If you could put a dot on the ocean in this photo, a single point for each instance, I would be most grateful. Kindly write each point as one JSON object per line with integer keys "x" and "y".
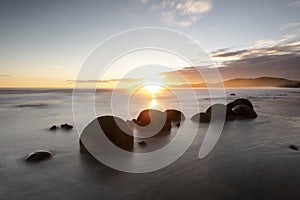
{"x": 251, "y": 159}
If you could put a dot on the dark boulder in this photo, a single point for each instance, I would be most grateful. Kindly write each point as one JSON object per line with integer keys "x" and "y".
{"x": 142, "y": 143}
{"x": 218, "y": 108}
{"x": 238, "y": 109}
{"x": 154, "y": 119}
{"x": 232, "y": 94}
{"x": 239, "y": 102}
{"x": 147, "y": 116}
{"x": 38, "y": 155}
{"x": 293, "y": 147}
{"x": 53, "y": 128}
{"x": 82, "y": 148}
{"x": 216, "y": 111}
{"x": 201, "y": 117}
{"x": 174, "y": 115}
{"x": 114, "y": 128}
{"x": 204, "y": 117}
{"x": 219, "y": 111}
{"x": 66, "y": 126}
{"x": 167, "y": 127}
{"x": 244, "y": 112}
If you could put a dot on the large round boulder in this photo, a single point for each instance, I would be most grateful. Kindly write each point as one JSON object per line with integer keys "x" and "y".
{"x": 244, "y": 112}
{"x": 154, "y": 120}
{"x": 201, "y": 117}
{"x": 219, "y": 108}
{"x": 219, "y": 111}
{"x": 150, "y": 115}
{"x": 239, "y": 102}
{"x": 174, "y": 115}
{"x": 114, "y": 128}
{"x": 38, "y": 155}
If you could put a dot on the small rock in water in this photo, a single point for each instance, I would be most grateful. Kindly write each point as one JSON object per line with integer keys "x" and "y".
{"x": 232, "y": 94}
{"x": 66, "y": 126}
{"x": 38, "y": 155}
{"x": 293, "y": 147}
{"x": 52, "y": 128}
{"x": 142, "y": 143}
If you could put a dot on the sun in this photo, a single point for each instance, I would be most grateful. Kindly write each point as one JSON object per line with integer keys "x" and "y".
{"x": 153, "y": 89}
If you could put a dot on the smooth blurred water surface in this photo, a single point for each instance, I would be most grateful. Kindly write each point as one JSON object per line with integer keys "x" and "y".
{"x": 250, "y": 161}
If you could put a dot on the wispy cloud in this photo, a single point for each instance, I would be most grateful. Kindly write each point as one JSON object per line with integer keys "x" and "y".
{"x": 182, "y": 13}
{"x": 124, "y": 80}
{"x": 280, "y": 49}
{"x": 281, "y": 41}
{"x": 6, "y": 76}
{"x": 281, "y": 66}
{"x": 281, "y": 60}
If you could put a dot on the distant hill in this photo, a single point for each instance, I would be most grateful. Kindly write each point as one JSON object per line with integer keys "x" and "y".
{"x": 261, "y": 82}
{"x": 250, "y": 82}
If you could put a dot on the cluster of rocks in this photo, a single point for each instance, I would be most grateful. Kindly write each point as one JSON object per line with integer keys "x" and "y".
{"x": 238, "y": 109}
{"x": 40, "y": 155}
{"x": 155, "y": 118}
{"x": 62, "y": 126}
{"x": 120, "y": 132}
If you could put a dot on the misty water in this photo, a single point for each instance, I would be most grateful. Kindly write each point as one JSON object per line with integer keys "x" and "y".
{"x": 251, "y": 160}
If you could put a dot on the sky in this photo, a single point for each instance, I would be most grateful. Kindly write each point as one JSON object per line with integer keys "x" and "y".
{"x": 44, "y": 43}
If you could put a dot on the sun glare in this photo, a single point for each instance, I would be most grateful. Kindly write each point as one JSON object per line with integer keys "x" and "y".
{"x": 153, "y": 103}
{"x": 153, "y": 89}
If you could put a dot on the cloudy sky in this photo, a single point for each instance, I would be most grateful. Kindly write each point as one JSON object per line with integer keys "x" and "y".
{"x": 43, "y": 43}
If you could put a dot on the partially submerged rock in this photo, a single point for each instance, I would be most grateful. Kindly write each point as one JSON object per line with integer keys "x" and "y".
{"x": 244, "y": 112}
{"x": 154, "y": 120}
{"x": 114, "y": 128}
{"x": 53, "y": 128}
{"x": 38, "y": 155}
{"x": 240, "y": 101}
{"x": 293, "y": 147}
{"x": 142, "y": 143}
{"x": 174, "y": 115}
{"x": 201, "y": 117}
{"x": 66, "y": 126}
{"x": 150, "y": 115}
{"x": 82, "y": 148}
{"x": 238, "y": 109}
{"x": 218, "y": 111}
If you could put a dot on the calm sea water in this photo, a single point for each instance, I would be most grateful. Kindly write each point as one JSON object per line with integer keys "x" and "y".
{"x": 250, "y": 161}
